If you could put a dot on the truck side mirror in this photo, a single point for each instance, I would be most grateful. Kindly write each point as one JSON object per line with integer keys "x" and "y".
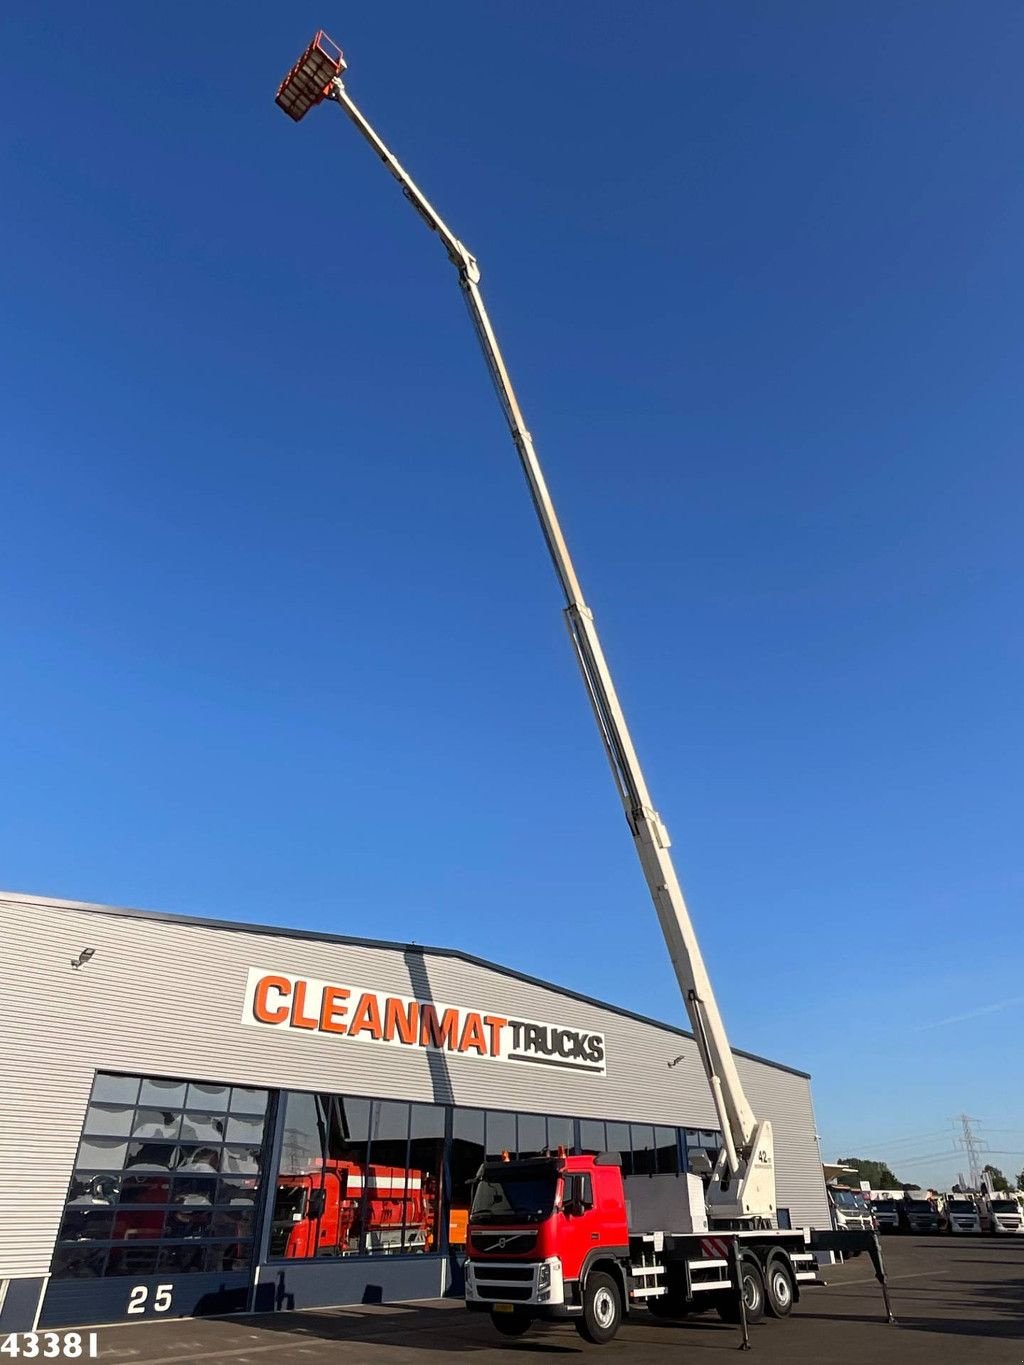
{"x": 317, "y": 1203}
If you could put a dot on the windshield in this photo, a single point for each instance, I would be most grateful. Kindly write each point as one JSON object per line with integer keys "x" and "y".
{"x": 513, "y": 1197}
{"x": 920, "y": 1206}
{"x": 847, "y": 1199}
{"x": 961, "y": 1205}
{"x": 1003, "y": 1206}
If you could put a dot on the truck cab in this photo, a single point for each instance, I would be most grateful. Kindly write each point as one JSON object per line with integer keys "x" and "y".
{"x": 920, "y": 1215}
{"x": 850, "y": 1210}
{"x": 963, "y": 1214}
{"x": 1003, "y": 1214}
{"x": 537, "y": 1228}
{"x": 886, "y": 1212}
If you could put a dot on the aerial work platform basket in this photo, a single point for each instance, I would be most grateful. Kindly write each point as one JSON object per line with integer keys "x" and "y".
{"x": 309, "y": 80}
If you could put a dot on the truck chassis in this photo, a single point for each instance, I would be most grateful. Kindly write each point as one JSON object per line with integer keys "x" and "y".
{"x": 670, "y": 1274}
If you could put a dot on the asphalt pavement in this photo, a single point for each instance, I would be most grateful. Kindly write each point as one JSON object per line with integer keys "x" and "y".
{"x": 958, "y": 1300}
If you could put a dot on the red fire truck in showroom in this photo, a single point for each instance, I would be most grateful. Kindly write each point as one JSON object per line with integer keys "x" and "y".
{"x": 563, "y": 1236}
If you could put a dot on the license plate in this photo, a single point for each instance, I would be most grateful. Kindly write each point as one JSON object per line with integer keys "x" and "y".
{"x": 504, "y": 1308}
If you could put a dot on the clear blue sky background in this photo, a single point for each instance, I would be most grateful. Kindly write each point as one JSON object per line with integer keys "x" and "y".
{"x": 280, "y": 639}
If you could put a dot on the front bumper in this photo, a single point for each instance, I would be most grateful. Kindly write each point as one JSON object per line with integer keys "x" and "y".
{"x": 532, "y": 1285}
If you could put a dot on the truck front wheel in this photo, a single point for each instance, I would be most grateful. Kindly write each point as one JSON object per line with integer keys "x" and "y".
{"x": 602, "y": 1309}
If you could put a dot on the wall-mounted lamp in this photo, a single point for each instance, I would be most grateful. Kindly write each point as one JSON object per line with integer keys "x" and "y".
{"x": 676, "y": 1060}
{"x": 82, "y": 958}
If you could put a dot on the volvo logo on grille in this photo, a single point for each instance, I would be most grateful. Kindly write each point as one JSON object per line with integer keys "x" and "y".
{"x": 488, "y": 1243}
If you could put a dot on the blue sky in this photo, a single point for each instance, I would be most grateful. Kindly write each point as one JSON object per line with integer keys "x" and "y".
{"x": 281, "y": 640}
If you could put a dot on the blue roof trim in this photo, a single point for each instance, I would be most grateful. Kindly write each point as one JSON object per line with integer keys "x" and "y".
{"x": 351, "y": 940}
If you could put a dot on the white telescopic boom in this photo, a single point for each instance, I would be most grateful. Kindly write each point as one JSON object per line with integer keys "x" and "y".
{"x": 747, "y": 1143}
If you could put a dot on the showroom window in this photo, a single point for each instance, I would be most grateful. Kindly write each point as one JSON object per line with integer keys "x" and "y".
{"x": 524, "y": 1135}
{"x": 478, "y": 1134}
{"x": 646, "y": 1149}
{"x": 357, "y": 1177}
{"x": 465, "y": 1158}
{"x": 167, "y": 1178}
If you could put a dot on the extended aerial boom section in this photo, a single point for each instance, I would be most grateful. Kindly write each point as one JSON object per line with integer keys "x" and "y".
{"x": 743, "y": 1181}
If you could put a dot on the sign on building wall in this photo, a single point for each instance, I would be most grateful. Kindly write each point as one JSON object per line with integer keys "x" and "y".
{"x": 354, "y": 1014}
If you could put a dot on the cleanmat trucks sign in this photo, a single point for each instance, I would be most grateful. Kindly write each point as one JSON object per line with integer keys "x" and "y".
{"x": 355, "y": 1014}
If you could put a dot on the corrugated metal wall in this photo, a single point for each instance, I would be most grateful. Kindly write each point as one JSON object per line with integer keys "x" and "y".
{"x": 165, "y": 997}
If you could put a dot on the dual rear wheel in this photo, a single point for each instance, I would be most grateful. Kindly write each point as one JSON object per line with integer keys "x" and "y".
{"x": 779, "y": 1294}
{"x": 765, "y": 1290}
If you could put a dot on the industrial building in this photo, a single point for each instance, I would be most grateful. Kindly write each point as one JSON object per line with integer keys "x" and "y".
{"x": 205, "y": 1117}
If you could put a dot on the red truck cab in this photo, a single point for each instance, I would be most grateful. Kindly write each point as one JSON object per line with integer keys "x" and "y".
{"x": 540, "y": 1229}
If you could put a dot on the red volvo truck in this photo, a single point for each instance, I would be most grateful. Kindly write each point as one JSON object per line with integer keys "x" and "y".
{"x": 567, "y": 1237}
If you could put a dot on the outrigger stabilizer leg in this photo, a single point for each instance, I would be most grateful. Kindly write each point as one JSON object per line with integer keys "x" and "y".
{"x": 737, "y": 1270}
{"x": 875, "y": 1252}
{"x": 848, "y": 1241}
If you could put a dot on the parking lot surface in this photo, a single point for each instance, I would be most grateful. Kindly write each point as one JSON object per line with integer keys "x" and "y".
{"x": 957, "y": 1300}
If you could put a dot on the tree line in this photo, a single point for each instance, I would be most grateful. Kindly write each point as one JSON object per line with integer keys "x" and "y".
{"x": 880, "y": 1176}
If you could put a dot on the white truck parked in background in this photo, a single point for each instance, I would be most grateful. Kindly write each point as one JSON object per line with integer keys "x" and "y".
{"x": 850, "y": 1209}
{"x": 1002, "y": 1214}
{"x": 962, "y": 1212}
{"x": 885, "y": 1205}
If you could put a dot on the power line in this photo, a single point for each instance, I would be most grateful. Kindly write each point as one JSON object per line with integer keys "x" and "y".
{"x": 934, "y": 1156}
{"x": 914, "y": 1137}
{"x": 929, "y": 1156}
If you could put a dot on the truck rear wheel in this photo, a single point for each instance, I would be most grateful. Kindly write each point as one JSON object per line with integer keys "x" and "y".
{"x": 602, "y": 1309}
{"x": 753, "y": 1295}
{"x": 778, "y": 1288}
{"x": 511, "y": 1324}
